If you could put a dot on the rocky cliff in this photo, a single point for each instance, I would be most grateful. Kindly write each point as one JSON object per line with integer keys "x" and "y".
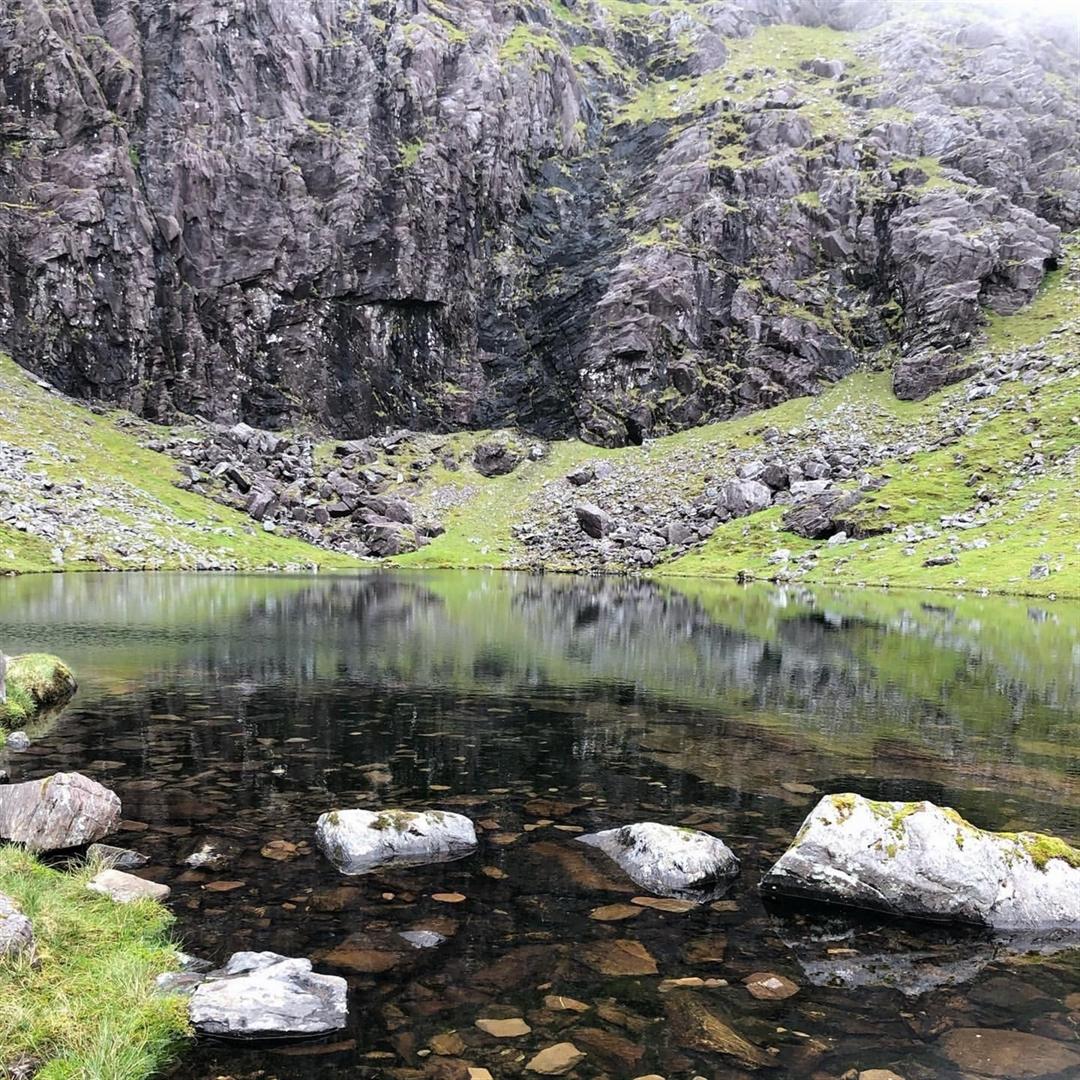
{"x": 593, "y": 216}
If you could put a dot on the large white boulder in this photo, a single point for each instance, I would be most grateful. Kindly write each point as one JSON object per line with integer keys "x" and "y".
{"x": 264, "y": 995}
{"x": 926, "y": 861}
{"x": 62, "y": 811}
{"x": 668, "y": 860}
{"x": 357, "y": 841}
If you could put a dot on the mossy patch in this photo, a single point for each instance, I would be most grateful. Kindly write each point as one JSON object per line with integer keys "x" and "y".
{"x": 88, "y": 1006}
{"x": 36, "y": 683}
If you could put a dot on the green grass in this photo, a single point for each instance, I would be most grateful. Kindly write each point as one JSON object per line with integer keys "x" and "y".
{"x": 1039, "y": 519}
{"x": 71, "y": 443}
{"x": 87, "y": 1009}
{"x": 1057, "y": 300}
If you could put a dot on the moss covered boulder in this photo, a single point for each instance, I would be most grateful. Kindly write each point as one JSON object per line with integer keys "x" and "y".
{"x": 925, "y": 861}
{"x": 33, "y": 684}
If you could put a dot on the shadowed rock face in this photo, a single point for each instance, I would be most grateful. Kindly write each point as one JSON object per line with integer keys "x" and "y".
{"x": 588, "y": 220}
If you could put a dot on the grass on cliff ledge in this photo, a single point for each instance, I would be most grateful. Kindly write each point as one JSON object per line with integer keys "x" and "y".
{"x": 87, "y": 1009}
{"x": 69, "y": 442}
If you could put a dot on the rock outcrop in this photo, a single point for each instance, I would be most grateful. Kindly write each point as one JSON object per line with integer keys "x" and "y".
{"x": 599, "y": 219}
{"x": 357, "y": 841}
{"x": 924, "y": 861}
{"x": 668, "y": 860}
{"x": 264, "y": 995}
{"x": 62, "y": 811}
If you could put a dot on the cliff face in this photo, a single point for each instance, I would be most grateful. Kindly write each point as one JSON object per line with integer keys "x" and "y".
{"x": 612, "y": 218}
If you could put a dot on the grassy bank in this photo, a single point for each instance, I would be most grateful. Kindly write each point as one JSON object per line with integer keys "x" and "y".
{"x": 167, "y": 528}
{"x": 87, "y": 1009}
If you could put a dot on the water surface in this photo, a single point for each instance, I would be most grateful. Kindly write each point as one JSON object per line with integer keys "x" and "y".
{"x": 235, "y": 709}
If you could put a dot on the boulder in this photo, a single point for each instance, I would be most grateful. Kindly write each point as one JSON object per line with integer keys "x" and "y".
{"x": 821, "y": 515}
{"x": 924, "y": 861}
{"x": 742, "y": 497}
{"x": 126, "y": 888}
{"x": 62, "y": 811}
{"x": 583, "y": 474}
{"x": 264, "y": 995}
{"x": 594, "y": 522}
{"x": 31, "y": 684}
{"x": 496, "y": 458}
{"x": 16, "y": 930}
{"x": 358, "y": 841}
{"x": 668, "y": 860}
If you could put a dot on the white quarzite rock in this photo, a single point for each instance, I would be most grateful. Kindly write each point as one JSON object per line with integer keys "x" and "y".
{"x": 925, "y": 861}
{"x": 357, "y": 841}
{"x": 264, "y": 995}
{"x": 666, "y": 859}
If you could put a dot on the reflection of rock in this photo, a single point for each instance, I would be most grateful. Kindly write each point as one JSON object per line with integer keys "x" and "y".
{"x": 260, "y": 995}
{"x": 925, "y": 861}
{"x": 357, "y": 841}
{"x": 62, "y": 811}
{"x": 853, "y": 951}
{"x": 668, "y": 860}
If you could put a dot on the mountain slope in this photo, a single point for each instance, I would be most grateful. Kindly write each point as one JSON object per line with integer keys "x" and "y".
{"x": 78, "y": 492}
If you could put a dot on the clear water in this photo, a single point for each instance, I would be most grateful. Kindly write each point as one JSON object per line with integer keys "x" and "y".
{"x": 236, "y": 709}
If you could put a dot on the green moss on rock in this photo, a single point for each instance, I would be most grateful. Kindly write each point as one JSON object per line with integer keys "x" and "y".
{"x": 36, "y": 683}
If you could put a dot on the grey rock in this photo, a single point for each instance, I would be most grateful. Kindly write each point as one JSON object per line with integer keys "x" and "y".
{"x": 126, "y": 888}
{"x": 594, "y": 522}
{"x": 923, "y": 861}
{"x": 496, "y": 458}
{"x": 668, "y": 860}
{"x": 62, "y": 811}
{"x": 742, "y": 497}
{"x": 821, "y": 516}
{"x": 582, "y": 475}
{"x": 16, "y": 930}
{"x": 116, "y": 858}
{"x": 264, "y": 995}
{"x": 18, "y": 740}
{"x": 359, "y": 841}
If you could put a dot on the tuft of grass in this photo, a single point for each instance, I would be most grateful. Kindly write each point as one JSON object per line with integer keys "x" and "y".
{"x": 87, "y": 1009}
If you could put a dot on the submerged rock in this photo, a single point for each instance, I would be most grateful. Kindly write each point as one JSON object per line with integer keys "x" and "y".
{"x": 62, "y": 811}
{"x": 925, "y": 861}
{"x": 357, "y": 841}
{"x": 668, "y": 860}
{"x": 264, "y": 995}
{"x": 16, "y": 930}
{"x": 116, "y": 858}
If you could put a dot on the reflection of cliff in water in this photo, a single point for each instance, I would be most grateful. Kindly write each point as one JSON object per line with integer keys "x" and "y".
{"x": 835, "y": 664}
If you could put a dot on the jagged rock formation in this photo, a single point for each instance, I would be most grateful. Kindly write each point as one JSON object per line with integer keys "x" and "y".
{"x": 611, "y": 218}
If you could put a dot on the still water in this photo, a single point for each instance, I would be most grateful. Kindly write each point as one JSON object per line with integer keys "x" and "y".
{"x": 233, "y": 710}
